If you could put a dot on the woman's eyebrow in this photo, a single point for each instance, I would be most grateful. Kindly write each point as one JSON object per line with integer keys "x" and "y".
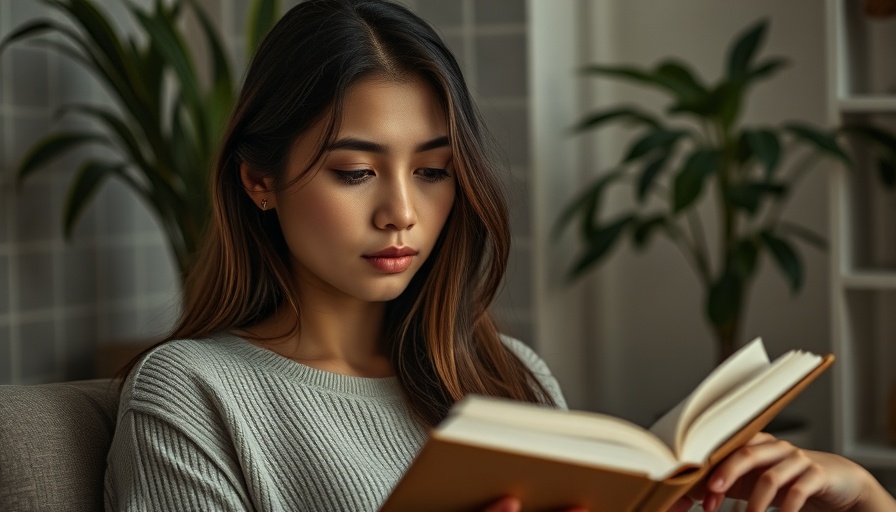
{"x": 354, "y": 144}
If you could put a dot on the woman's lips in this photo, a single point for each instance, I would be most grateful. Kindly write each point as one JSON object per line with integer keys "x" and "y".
{"x": 392, "y": 260}
{"x": 390, "y": 265}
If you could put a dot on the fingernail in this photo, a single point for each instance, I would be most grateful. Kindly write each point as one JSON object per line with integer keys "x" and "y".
{"x": 717, "y": 484}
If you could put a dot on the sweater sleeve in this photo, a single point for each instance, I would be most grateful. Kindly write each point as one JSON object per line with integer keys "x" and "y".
{"x": 172, "y": 449}
{"x": 154, "y": 466}
{"x": 538, "y": 367}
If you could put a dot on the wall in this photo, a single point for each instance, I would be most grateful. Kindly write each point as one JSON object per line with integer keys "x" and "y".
{"x": 57, "y": 297}
{"x": 489, "y": 38}
{"x": 650, "y": 305}
{"x": 114, "y": 280}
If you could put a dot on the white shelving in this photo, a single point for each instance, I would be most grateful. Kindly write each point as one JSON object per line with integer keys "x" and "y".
{"x": 867, "y": 103}
{"x": 863, "y": 240}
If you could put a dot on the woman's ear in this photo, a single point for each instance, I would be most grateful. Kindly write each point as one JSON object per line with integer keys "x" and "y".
{"x": 259, "y": 186}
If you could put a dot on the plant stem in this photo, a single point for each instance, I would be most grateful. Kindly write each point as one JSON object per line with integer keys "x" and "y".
{"x": 799, "y": 171}
{"x": 691, "y": 254}
{"x": 700, "y": 248}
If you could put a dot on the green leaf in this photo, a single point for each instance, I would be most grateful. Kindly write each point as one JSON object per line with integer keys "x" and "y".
{"x": 723, "y": 301}
{"x": 647, "y": 227}
{"x": 87, "y": 181}
{"x": 262, "y": 16}
{"x": 721, "y": 102}
{"x": 728, "y": 98}
{"x": 599, "y": 244}
{"x": 26, "y": 31}
{"x": 51, "y": 147}
{"x": 649, "y": 174}
{"x": 183, "y": 144}
{"x": 744, "y": 258}
{"x": 805, "y": 234}
{"x": 765, "y": 146}
{"x": 741, "y": 55}
{"x": 98, "y": 29}
{"x": 656, "y": 138}
{"x": 689, "y": 181}
{"x": 128, "y": 143}
{"x": 786, "y": 258}
{"x": 821, "y": 140}
{"x": 748, "y": 196}
{"x": 631, "y": 114}
{"x": 218, "y": 105}
{"x": 221, "y": 66}
{"x": 173, "y": 49}
{"x": 768, "y": 67}
{"x": 586, "y": 205}
{"x": 887, "y": 170}
{"x": 680, "y": 80}
{"x": 626, "y": 72}
{"x": 634, "y": 74}
{"x": 884, "y": 139}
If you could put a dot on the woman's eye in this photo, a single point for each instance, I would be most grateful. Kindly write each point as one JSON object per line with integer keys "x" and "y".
{"x": 354, "y": 176}
{"x": 430, "y": 174}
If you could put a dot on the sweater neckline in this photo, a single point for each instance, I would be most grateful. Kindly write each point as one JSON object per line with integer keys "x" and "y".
{"x": 350, "y": 384}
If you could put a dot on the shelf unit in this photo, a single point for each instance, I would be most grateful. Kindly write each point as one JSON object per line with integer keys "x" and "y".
{"x": 862, "y": 87}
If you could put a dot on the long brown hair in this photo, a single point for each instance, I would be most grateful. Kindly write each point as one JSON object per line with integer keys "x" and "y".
{"x": 442, "y": 341}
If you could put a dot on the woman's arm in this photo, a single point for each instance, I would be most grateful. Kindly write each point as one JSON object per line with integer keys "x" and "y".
{"x": 154, "y": 466}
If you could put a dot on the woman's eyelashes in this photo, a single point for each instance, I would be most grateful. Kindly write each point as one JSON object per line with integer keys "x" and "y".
{"x": 433, "y": 174}
{"x": 358, "y": 176}
{"x": 354, "y": 176}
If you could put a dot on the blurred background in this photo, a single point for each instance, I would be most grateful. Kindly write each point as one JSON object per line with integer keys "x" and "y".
{"x": 629, "y": 336}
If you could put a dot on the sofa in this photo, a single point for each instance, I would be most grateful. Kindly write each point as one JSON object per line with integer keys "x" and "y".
{"x": 53, "y": 444}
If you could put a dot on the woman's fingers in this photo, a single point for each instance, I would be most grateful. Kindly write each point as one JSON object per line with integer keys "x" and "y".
{"x": 511, "y": 504}
{"x": 506, "y": 504}
{"x": 761, "y": 437}
{"x": 777, "y": 477}
{"x": 682, "y": 505}
{"x": 747, "y": 459}
{"x": 809, "y": 484}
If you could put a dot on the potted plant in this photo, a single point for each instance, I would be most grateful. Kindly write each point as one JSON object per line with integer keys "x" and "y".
{"x": 163, "y": 127}
{"x": 696, "y": 152}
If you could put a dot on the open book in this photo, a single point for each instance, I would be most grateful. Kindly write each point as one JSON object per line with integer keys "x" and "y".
{"x": 549, "y": 458}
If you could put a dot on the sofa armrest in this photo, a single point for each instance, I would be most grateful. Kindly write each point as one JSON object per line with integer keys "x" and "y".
{"x": 53, "y": 444}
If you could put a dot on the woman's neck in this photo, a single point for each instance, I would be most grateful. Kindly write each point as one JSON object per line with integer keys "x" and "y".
{"x": 341, "y": 338}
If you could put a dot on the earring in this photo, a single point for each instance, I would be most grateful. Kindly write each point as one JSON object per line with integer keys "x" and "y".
{"x": 264, "y": 204}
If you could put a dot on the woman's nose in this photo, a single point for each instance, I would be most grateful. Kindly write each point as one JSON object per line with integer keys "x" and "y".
{"x": 395, "y": 208}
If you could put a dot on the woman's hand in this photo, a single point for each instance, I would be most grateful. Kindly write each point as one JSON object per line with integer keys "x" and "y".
{"x": 769, "y": 472}
{"x": 511, "y": 504}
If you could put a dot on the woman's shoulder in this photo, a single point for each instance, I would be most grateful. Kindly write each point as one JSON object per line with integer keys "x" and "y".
{"x": 538, "y": 367}
{"x": 525, "y": 354}
{"x": 181, "y": 369}
{"x": 189, "y": 356}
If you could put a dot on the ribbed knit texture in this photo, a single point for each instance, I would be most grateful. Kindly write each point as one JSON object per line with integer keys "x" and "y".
{"x": 220, "y": 424}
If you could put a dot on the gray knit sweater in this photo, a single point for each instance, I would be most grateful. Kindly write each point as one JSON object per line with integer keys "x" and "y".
{"x": 220, "y": 424}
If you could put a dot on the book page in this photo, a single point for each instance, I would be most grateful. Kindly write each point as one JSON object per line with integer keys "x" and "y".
{"x": 556, "y": 446}
{"x": 747, "y": 362}
{"x": 518, "y": 416}
{"x": 735, "y": 410}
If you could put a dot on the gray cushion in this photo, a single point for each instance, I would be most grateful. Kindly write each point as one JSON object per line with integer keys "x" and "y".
{"x": 53, "y": 444}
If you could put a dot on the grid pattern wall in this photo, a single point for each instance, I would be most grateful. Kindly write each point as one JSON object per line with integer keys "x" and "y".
{"x": 489, "y": 39}
{"x": 114, "y": 280}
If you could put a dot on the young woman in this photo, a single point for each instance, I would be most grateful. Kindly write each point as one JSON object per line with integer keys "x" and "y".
{"x": 340, "y": 305}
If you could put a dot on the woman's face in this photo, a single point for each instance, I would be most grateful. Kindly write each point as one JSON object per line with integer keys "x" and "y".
{"x": 367, "y": 216}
